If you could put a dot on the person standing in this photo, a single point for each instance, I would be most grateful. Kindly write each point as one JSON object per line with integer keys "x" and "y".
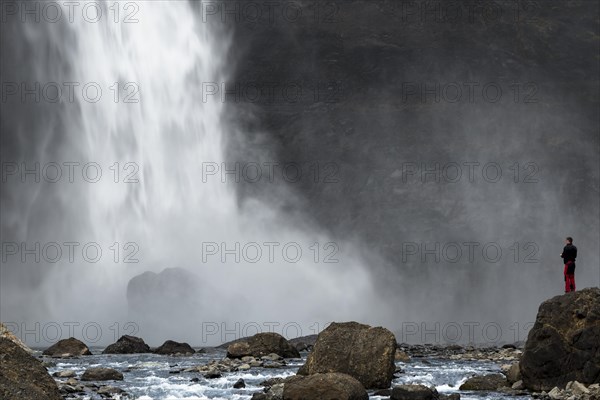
{"x": 568, "y": 255}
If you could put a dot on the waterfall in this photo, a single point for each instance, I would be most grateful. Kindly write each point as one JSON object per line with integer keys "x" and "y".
{"x": 150, "y": 133}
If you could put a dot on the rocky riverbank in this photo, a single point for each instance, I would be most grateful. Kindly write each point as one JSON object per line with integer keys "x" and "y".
{"x": 559, "y": 361}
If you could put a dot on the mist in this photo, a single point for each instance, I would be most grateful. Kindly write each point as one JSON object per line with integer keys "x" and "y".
{"x": 193, "y": 248}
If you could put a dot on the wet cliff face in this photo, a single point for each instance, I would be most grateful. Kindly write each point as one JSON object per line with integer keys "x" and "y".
{"x": 441, "y": 124}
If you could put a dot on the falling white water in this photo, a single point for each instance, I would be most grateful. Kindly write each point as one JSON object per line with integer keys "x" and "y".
{"x": 166, "y": 137}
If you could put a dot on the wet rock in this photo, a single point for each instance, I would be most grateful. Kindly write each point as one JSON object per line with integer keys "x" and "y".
{"x": 101, "y": 374}
{"x": 514, "y": 373}
{"x": 307, "y": 341}
{"x": 70, "y": 347}
{"x": 328, "y": 386}
{"x": 7, "y": 334}
{"x": 22, "y": 376}
{"x": 452, "y": 396}
{"x": 271, "y": 357}
{"x": 263, "y": 344}
{"x": 172, "y": 347}
{"x": 518, "y": 385}
{"x": 413, "y": 392}
{"x": 361, "y": 351}
{"x": 489, "y": 382}
{"x": 563, "y": 344}
{"x": 240, "y": 384}
{"x": 65, "y": 373}
{"x": 213, "y": 374}
{"x": 109, "y": 391}
{"x": 271, "y": 382}
{"x": 383, "y": 392}
{"x": 127, "y": 345}
{"x": 401, "y": 356}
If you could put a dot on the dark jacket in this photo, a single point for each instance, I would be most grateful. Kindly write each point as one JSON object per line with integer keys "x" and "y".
{"x": 569, "y": 254}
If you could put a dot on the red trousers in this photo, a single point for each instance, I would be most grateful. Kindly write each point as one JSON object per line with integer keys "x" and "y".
{"x": 569, "y": 281}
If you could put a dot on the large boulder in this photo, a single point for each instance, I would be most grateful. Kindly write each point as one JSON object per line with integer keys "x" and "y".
{"x": 262, "y": 344}
{"x": 101, "y": 374}
{"x": 22, "y": 377}
{"x": 172, "y": 347}
{"x": 329, "y": 386}
{"x": 361, "y": 351}
{"x": 490, "y": 382}
{"x": 413, "y": 392}
{"x": 127, "y": 345}
{"x": 564, "y": 343}
{"x": 70, "y": 347}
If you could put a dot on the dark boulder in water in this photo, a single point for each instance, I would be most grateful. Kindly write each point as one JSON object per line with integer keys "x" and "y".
{"x": 101, "y": 374}
{"x": 70, "y": 347}
{"x": 127, "y": 345}
{"x": 413, "y": 392}
{"x": 490, "y": 382}
{"x": 328, "y": 386}
{"x": 172, "y": 347}
{"x": 262, "y": 344}
{"x": 239, "y": 384}
{"x": 564, "y": 343}
{"x": 359, "y": 350}
{"x": 22, "y": 376}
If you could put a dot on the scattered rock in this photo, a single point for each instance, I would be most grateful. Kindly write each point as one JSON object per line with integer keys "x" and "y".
{"x": 518, "y": 385}
{"x": 555, "y": 394}
{"x": 111, "y": 390}
{"x": 22, "y": 376}
{"x": 578, "y": 389}
{"x": 361, "y": 351}
{"x": 489, "y": 382}
{"x": 127, "y": 345}
{"x": 271, "y": 382}
{"x": 563, "y": 344}
{"x": 240, "y": 384}
{"x": 573, "y": 391}
{"x": 172, "y": 347}
{"x": 65, "y": 373}
{"x": 101, "y": 374}
{"x": 452, "y": 396}
{"x": 7, "y": 334}
{"x": 212, "y": 374}
{"x": 413, "y": 392}
{"x": 263, "y": 344}
{"x": 401, "y": 356}
{"x": 70, "y": 347}
{"x": 328, "y": 386}
{"x": 514, "y": 373}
